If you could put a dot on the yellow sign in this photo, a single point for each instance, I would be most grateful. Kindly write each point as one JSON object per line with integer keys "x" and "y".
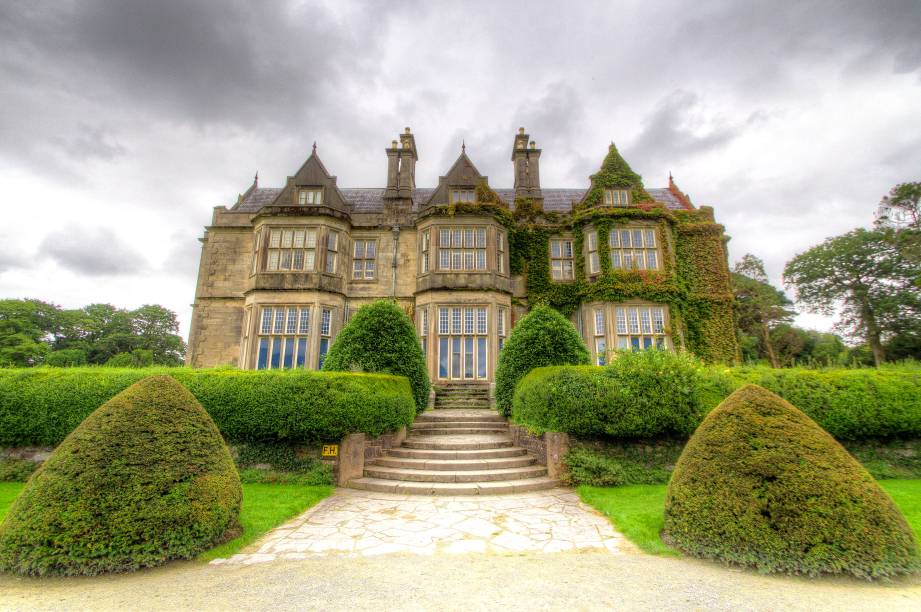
{"x": 330, "y": 450}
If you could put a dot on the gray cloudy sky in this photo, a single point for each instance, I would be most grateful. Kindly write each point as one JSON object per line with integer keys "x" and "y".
{"x": 123, "y": 123}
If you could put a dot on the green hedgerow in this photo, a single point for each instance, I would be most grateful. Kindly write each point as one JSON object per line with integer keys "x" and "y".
{"x": 761, "y": 484}
{"x": 381, "y": 338}
{"x": 144, "y": 479}
{"x": 543, "y": 337}
{"x": 638, "y": 395}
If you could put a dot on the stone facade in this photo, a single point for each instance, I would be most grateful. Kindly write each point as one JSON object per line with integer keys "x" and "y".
{"x": 283, "y": 269}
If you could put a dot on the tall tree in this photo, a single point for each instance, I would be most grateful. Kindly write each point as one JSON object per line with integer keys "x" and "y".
{"x": 865, "y": 277}
{"x": 26, "y": 326}
{"x": 901, "y": 207}
{"x": 759, "y": 305}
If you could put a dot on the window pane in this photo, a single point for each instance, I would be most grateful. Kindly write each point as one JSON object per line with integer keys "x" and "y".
{"x": 554, "y": 248}
{"x": 456, "y": 320}
{"x": 650, "y": 238}
{"x": 370, "y": 249}
{"x": 285, "y": 260}
{"x": 291, "y": 327}
{"x": 652, "y": 260}
{"x": 442, "y": 320}
{"x": 456, "y": 260}
{"x": 289, "y": 352}
{"x": 444, "y": 259}
{"x": 567, "y": 269}
{"x": 330, "y": 262}
{"x": 637, "y": 238}
{"x": 612, "y": 239}
{"x": 567, "y": 248}
{"x": 468, "y": 238}
{"x": 309, "y": 257}
{"x": 468, "y": 320}
{"x": 443, "y": 357}
{"x": 615, "y": 260}
{"x": 481, "y": 260}
{"x": 468, "y": 260}
{"x": 324, "y": 348}
{"x": 647, "y": 342}
{"x": 658, "y": 320}
{"x": 275, "y": 239}
{"x": 325, "y": 322}
{"x": 645, "y": 324}
{"x": 600, "y": 351}
{"x": 638, "y": 260}
{"x": 481, "y": 357}
{"x": 557, "y": 269}
{"x": 468, "y": 358}
{"x": 592, "y": 241}
{"x": 621, "y": 316}
{"x": 310, "y": 239}
{"x": 633, "y": 318}
{"x": 625, "y": 238}
{"x": 444, "y": 238}
{"x": 456, "y": 239}
{"x": 599, "y": 322}
{"x": 273, "y": 260}
{"x": 455, "y": 357}
{"x": 287, "y": 239}
{"x": 481, "y": 320}
{"x": 279, "y": 321}
{"x": 298, "y": 261}
{"x": 481, "y": 237}
{"x": 304, "y": 326}
{"x": 299, "y": 239}
{"x": 628, "y": 260}
{"x": 263, "y": 354}
{"x": 357, "y": 269}
{"x": 593, "y": 263}
{"x": 359, "y": 249}
{"x": 369, "y": 268}
{"x": 266, "y": 321}
{"x": 276, "y": 352}
{"x": 301, "y": 352}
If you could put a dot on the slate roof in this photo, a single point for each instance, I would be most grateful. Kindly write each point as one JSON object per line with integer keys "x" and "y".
{"x": 371, "y": 200}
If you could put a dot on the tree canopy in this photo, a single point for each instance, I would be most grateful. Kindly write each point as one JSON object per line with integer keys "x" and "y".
{"x": 759, "y": 305}
{"x": 864, "y": 277}
{"x": 32, "y": 331}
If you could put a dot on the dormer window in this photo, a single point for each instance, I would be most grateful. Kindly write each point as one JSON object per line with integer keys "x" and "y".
{"x": 310, "y": 196}
{"x": 462, "y": 195}
{"x": 617, "y": 197}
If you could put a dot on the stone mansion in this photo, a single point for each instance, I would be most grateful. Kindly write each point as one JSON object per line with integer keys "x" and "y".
{"x": 283, "y": 269}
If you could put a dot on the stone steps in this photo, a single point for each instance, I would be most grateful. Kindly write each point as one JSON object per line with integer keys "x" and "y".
{"x": 487, "y": 475}
{"x": 453, "y": 488}
{"x": 463, "y": 447}
{"x": 452, "y": 464}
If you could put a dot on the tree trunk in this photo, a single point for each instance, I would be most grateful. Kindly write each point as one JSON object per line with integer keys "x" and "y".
{"x": 769, "y": 346}
{"x": 873, "y": 334}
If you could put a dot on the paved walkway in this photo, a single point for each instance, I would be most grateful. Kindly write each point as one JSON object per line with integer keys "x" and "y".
{"x": 365, "y": 524}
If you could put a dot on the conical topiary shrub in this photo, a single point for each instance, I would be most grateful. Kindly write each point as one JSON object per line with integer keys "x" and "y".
{"x": 381, "y": 338}
{"x": 543, "y": 337}
{"x": 761, "y": 484}
{"x": 143, "y": 479}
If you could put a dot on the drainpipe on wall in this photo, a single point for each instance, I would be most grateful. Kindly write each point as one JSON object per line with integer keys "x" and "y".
{"x": 396, "y": 248}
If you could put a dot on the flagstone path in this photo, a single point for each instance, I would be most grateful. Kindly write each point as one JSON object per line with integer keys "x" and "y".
{"x": 365, "y": 523}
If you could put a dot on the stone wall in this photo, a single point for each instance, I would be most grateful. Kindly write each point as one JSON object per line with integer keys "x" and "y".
{"x": 528, "y": 441}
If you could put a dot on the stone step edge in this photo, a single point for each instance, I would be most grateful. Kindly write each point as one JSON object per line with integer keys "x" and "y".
{"x": 455, "y": 465}
{"x": 451, "y": 454}
{"x": 457, "y": 476}
{"x": 498, "y": 487}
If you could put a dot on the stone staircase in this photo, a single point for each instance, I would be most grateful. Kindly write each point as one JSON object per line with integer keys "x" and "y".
{"x": 462, "y": 447}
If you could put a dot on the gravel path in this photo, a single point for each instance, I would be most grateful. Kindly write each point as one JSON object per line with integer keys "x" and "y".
{"x": 534, "y": 581}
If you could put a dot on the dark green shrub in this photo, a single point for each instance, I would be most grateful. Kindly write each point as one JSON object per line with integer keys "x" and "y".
{"x": 278, "y": 462}
{"x": 144, "y": 479}
{"x": 16, "y": 470}
{"x": 638, "y": 395}
{"x": 543, "y": 337}
{"x": 623, "y": 463}
{"x": 40, "y": 406}
{"x": 761, "y": 484}
{"x": 138, "y": 358}
{"x": 381, "y": 338}
{"x": 849, "y": 403}
{"x": 66, "y": 358}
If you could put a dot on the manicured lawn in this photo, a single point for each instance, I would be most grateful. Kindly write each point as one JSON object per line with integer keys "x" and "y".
{"x": 264, "y": 506}
{"x": 636, "y": 510}
{"x": 907, "y": 496}
{"x": 8, "y": 492}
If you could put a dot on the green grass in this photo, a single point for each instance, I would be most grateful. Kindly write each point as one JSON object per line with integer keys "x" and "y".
{"x": 907, "y": 496}
{"x": 8, "y": 492}
{"x": 637, "y": 510}
{"x": 264, "y": 506}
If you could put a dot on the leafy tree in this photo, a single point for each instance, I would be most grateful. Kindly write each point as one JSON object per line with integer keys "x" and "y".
{"x": 158, "y": 331}
{"x": 66, "y": 358}
{"x": 901, "y": 207}
{"x": 759, "y": 305}
{"x": 863, "y": 275}
{"x": 25, "y": 327}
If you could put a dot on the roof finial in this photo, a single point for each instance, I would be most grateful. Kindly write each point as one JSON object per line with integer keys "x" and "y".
{"x": 256, "y": 179}
{"x": 314, "y": 147}
{"x": 463, "y": 146}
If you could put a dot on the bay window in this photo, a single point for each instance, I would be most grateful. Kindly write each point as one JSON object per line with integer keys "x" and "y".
{"x": 290, "y": 249}
{"x": 634, "y": 249}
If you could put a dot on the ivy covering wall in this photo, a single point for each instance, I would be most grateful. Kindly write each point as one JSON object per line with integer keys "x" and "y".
{"x": 693, "y": 279}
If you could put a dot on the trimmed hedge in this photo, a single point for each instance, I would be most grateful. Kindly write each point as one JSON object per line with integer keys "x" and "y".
{"x": 760, "y": 484}
{"x": 144, "y": 479}
{"x": 654, "y": 393}
{"x": 40, "y": 406}
{"x": 543, "y": 337}
{"x": 639, "y": 395}
{"x": 381, "y": 338}
{"x": 848, "y": 403}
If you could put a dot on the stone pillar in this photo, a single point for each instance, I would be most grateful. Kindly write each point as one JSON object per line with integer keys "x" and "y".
{"x": 557, "y": 445}
{"x": 351, "y": 458}
{"x": 399, "y": 436}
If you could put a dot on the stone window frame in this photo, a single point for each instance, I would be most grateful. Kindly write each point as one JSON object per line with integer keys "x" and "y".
{"x": 310, "y": 196}
{"x": 425, "y": 251}
{"x": 562, "y": 258}
{"x": 501, "y": 252}
{"x": 599, "y": 327}
{"x": 617, "y": 198}
{"x": 592, "y": 261}
{"x": 649, "y": 253}
{"x": 461, "y": 335}
{"x": 618, "y": 335}
{"x": 367, "y": 240}
{"x": 462, "y": 253}
{"x": 267, "y": 232}
{"x": 272, "y": 330}
{"x": 332, "y": 252}
{"x": 461, "y": 195}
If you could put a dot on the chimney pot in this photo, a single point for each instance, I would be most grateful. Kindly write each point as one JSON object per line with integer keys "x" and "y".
{"x": 533, "y": 145}
{"x": 393, "y": 144}
{"x": 407, "y": 131}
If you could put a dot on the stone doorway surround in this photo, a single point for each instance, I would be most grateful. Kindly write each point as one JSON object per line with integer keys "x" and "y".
{"x": 359, "y": 523}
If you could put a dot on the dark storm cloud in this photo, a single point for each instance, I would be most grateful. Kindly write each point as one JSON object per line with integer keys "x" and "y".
{"x": 93, "y": 252}
{"x": 670, "y": 131}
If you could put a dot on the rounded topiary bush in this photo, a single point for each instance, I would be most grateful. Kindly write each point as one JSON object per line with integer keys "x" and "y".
{"x": 761, "y": 484}
{"x": 144, "y": 479}
{"x": 381, "y": 338}
{"x": 543, "y": 337}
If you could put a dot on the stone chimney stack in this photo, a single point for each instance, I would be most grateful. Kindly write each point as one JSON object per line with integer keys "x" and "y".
{"x": 526, "y": 157}
{"x": 401, "y": 167}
